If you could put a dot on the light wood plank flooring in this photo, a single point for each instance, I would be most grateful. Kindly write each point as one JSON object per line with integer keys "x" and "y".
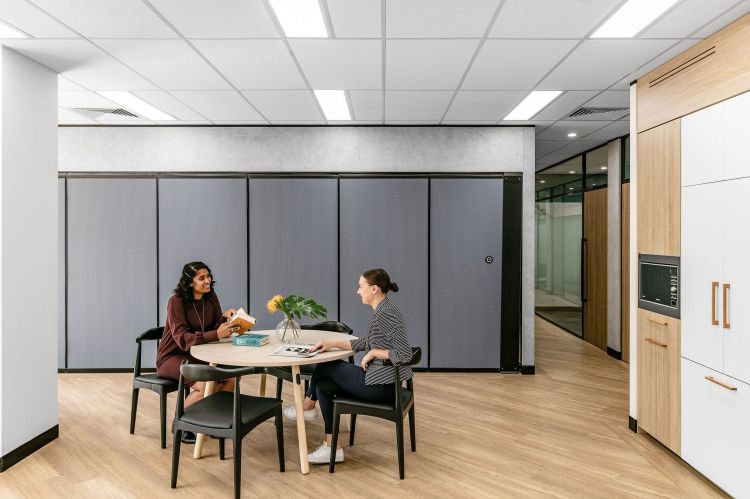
{"x": 560, "y": 433}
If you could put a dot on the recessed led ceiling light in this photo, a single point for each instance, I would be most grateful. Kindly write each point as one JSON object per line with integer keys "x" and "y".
{"x": 592, "y": 185}
{"x": 572, "y": 134}
{"x": 333, "y": 103}
{"x": 7, "y": 31}
{"x": 532, "y": 104}
{"x": 542, "y": 181}
{"x": 300, "y": 18}
{"x": 570, "y": 188}
{"x": 603, "y": 167}
{"x": 135, "y": 104}
{"x": 632, "y": 17}
{"x": 572, "y": 171}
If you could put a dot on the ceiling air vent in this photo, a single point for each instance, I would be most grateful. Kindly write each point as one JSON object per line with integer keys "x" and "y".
{"x": 600, "y": 113}
{"x": 98, "y": 112}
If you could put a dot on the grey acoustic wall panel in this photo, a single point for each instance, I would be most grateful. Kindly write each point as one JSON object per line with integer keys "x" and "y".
{"x": 293, "y": 243}
{"x": 61, "y": 273}
{"x": 111, "y": 270}
{"x": 204, "y": 219}
{"x": 384, "y": 224}
{"x": 465, "y": 229}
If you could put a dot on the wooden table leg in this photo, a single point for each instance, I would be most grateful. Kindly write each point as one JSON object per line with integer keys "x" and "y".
{"x": 262, "y": 392}
{"x": 301, "y": 434}
{"x": 200, "y": 437}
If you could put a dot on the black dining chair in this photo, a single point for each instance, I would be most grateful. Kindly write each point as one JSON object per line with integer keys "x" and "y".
{"x": 403, "y": 404}
{"x": 306, "y": 371}
{"x": 224, "y": 415}
{"x": 162, "y": 386}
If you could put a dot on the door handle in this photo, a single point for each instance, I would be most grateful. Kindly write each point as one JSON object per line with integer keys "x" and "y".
{"x": 724, "y": 290}
{"x": 584, "y": 257}
{"x": 660, "y": 323}
{"x": 714, "y": 380}
{"x": 654, "y": 342}
{"x": 714, "y": 290}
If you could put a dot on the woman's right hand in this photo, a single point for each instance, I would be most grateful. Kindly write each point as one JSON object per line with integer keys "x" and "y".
{"x": 225, "y": 330}
{"x": 321, "y": 346}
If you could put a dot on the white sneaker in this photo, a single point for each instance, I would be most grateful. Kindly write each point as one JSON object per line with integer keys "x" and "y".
{"x": 290, "y": 413}
{"x": 322, "y": 455}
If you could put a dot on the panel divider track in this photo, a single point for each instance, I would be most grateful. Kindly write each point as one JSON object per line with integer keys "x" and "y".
{"x": 157, "y": 253}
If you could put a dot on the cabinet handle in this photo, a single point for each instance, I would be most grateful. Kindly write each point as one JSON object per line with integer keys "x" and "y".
{"x": 724, "y": 290}
{"x": 659, "y": 322}
{"x": 714, "y": 380}
{"x": 654, "y": 342}
{"x": 714, "y": 290}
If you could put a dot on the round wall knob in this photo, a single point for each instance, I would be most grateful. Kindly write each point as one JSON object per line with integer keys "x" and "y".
{"x": 488, "y": 259}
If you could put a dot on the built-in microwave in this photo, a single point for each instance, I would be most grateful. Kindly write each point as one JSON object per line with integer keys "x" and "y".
{"x": 659, "y": 284}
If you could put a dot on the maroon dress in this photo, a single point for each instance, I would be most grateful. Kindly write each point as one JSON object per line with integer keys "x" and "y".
{"x": 188, "y": 324}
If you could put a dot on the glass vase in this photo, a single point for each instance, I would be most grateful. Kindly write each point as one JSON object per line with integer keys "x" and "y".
{"x": 287, "y": 331}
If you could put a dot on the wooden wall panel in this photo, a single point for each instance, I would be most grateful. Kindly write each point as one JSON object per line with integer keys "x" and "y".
{"x": 713, "y": 70}
{"x": 595, "y": 268}
{"x": 659, "y": 190}
{"x": 625, "y": 273}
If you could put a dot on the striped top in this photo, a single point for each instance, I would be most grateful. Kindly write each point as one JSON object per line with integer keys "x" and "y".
{"x": 386, "y": 331}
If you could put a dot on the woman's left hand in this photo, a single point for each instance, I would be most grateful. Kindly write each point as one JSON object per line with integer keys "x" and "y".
{"x": 369, "y": 357}
{"x": 229, "y": 313}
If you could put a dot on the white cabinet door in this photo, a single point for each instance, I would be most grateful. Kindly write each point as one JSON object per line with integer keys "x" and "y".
{"x": 736, "y": 134}
{"x": 737, "y": 275}
{"x": 715, "y": 433}
{"x": 701, "y": 146}
{"x": 700, "y": 265}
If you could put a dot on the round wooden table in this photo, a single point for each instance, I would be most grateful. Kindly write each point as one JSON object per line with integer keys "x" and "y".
{"x": 225, "y": 353}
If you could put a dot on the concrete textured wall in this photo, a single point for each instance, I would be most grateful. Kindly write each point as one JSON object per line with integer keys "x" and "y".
{"x": 614, "y": 262}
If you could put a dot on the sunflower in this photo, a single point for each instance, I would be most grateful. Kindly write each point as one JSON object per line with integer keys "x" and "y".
{"x": 273, "y": 304}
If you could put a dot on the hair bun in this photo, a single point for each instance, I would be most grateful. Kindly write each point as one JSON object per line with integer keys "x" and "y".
{"x": 393, "y": 287}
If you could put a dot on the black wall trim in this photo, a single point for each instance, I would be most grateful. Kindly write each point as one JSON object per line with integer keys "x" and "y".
{"x": 29, "y": 448}
{"x": 614, "y": 353}
{"x": 633, "y": 424}
{"x": 510, "y": 306}
{"x": 528, "y": 369}
{"x": 106, "y": 370}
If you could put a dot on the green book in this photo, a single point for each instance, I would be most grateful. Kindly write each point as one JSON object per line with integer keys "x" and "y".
{"x": 250, "y": 340}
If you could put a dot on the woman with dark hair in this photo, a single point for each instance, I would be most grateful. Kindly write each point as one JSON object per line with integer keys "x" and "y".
{"x": 194, "y": 317}
{"x": 385, "y": 338}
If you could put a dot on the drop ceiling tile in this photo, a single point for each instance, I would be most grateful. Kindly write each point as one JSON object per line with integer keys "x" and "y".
{"x": 412, "y": 122}
{"x": 716, "y": 24}
{"x": 578, "y": 147}
{"x": 68, "y": 116}
{"x": 483, "y": 105}
{"x": 65, "y": 84}
{"x": 108, "y": 19}
{"x": 219, "y": 105}
{"x": 367, "y": 105}
{"x": 340, "y": 64}
{"x": 610, "y": 98}
{"x": 171, "y": 64}
{"x": 24, "y": 16}
{"x": 550, "y": 159}
{"x": 286, "y": 105}
{"x": 253, "y": 64}
{"x": 355, "y": 18}
{"x": 181, "y": 122}
{"x": 167, "y": 103}
{"x": 597, "y": 64}
{"x": 550, "y": 19}
{"x": 561, "y": 129}
{"x": 662, "y": 58}
{"x": 81, "y": 62}
{"x": 118, "y": 119}
{"x": 685, "y": 18}
{"x": 241, "y": 122}
{"x": 469, "y": 122}
{"x": 218, "y": 18}
{"x": 544, "y": 147}
{"x": 354, "y": 122}
{"x": 69, "y": 99}
{"x": 416, "y": 105}
{"x": 438, "y": 18}
{"x": 514, "y": 64}
{"x": 298, "y": 122}
{"x": 564, "y": 105}
{"x": 427, "y": 64}
{"x": 609, "y": 132}
{"x": 538, "y": 124}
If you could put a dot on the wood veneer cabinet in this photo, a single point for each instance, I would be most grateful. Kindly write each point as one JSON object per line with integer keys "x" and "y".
{"x": 659, "y": 190}
{"x": 659, "y": 377}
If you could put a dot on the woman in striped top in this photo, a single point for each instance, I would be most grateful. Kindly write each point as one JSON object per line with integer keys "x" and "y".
{"x": 385, "y": 339}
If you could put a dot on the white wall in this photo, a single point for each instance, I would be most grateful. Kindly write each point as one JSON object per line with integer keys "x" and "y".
{"x": 28, "y": 250}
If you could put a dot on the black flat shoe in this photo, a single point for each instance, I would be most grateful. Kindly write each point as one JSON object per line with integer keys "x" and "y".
{"x": 188, "y": 437}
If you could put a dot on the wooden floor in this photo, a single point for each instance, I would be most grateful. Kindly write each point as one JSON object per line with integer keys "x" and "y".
{"x": 563, "y": 433}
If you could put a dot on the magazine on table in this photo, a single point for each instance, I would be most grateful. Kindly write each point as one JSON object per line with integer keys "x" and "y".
{"x": 295, "y": 350}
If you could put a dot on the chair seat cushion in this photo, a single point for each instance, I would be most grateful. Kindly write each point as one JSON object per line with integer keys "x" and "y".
{"x": 406, "y": 397}
{"x": 215, "y": 411}
{"x": 154, "y": 379}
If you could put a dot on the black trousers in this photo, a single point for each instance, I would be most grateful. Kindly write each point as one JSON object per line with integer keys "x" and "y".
{"x": 342, "y": 379}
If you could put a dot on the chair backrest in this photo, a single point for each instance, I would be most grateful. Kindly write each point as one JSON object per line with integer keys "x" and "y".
{"x": 416, "y": 357}
{"x": 155, "y": 333}
{"x": 333, "y": 326}
{"x": 203, "y": 372}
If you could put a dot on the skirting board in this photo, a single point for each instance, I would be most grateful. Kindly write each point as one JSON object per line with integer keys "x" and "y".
{"x": 528, "y": 370}
{"x": 29, "y": 448}
{"x": 633, "y": 424}
{"x": 614, "y": 353}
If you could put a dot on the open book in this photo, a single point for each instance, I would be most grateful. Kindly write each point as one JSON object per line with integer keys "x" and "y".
{"x": 241, "y": 322}
{"x": 295, "y": 351}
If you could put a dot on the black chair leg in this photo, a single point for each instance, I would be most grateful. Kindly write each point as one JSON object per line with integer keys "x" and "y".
{"x": 163, "y": 418}
{"x": 221, "y": 449}
{"x": 400, "y": 447}
{"x": 279, "y": 387}
{"x": 237, "y": 450}
{"x": 334, "y": 439}
{"x": 280, "y": 440}
{"x": 412, "y": 430}
{"x": 352, "y": 426}
{"x": 133, "y": 410}
{"x": 176, "y": 456}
